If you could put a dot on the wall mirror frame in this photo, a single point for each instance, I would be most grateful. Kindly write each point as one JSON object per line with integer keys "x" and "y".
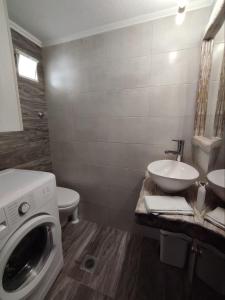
{"x": 210, "y": 98}
{"x": 10, "y": 110}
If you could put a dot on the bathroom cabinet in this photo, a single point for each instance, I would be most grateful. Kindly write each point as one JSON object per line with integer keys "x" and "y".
{"x": 197, "y": 248}
{"x": 201, "y": 260}
{"x": 10, "y": 112}
{"x": 210, "y": 266}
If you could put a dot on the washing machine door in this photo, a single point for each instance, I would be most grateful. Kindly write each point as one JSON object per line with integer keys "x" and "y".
{"x": 26, "y": 257}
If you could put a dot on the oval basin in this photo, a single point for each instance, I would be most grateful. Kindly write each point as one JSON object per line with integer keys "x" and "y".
{"x": 216, "y": 181}
{"x": 172, "y": 176}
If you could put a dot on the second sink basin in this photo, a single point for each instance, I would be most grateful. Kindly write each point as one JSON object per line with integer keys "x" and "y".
{"x": 217, "y": 182}
{"x": 172, "y": 176}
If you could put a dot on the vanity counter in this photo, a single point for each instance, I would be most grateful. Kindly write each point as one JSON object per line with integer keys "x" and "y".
{"x": 194, "y": 226}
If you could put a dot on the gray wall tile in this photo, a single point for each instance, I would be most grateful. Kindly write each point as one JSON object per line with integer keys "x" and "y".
{"x": 127, "y": 102}
{"x": 172, "y": 100}
{"x": 175, "y": 67}
{"x": 167, "y": 36}
{"x": 115, "y": 102}
{"x": 131, "y": 41}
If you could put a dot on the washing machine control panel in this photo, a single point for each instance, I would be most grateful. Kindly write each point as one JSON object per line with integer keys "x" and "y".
{"x": 20, "y": 208}
{"x": 23, "y": 208}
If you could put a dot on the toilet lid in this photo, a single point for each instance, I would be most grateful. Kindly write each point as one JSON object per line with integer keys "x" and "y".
{"x": 67, "y": 197}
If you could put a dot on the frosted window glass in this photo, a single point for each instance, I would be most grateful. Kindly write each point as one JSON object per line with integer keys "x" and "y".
{"x": 27, "y": 67}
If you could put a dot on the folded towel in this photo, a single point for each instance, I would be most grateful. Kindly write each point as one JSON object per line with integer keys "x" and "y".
{"x": 167, "y": 205}
{"x": 216, "y": 217}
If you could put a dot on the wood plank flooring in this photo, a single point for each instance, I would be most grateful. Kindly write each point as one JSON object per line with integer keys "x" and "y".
{"x": 127, "y": 268}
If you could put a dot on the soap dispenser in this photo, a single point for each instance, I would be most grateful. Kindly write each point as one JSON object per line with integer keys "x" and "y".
{"x": 200, "y": 204}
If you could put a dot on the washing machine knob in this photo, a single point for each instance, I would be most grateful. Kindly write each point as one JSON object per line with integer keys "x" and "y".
{"x": 23, "y": 208}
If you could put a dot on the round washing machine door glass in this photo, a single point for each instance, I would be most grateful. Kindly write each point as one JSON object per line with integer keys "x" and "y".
{"x": 26, "y": 256}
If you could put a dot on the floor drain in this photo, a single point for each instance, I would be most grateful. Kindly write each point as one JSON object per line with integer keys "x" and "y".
{"x": 88, "y": 264}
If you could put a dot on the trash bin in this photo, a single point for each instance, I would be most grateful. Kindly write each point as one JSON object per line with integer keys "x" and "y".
{"x": 174, "y": 248}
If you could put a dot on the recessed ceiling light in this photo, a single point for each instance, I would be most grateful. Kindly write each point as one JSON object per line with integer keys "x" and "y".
{"x": 181, "y": 11}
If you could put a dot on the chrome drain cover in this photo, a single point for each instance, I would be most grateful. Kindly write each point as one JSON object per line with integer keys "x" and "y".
{"x": 89, "y": 263}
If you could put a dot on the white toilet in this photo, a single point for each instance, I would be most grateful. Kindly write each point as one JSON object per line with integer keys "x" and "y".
{"x": 68, "y": 202}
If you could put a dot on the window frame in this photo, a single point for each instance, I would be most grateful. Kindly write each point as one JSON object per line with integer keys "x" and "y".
{"x": 21, "y": 52}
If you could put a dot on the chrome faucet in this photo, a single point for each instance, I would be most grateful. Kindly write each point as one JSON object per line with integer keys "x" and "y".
{"x": 180, "y": 150}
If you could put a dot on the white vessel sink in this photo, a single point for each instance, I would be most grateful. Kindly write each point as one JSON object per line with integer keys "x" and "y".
{"x": 217, "y": 182}
{"x": 172, "y": 176}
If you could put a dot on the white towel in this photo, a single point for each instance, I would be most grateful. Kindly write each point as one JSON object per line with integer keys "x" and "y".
{"x": 167, "y": 205}
{"x": 216, "y": 217}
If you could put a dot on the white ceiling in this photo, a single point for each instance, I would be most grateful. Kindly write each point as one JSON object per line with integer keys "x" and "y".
{"x": 53, "y": 21}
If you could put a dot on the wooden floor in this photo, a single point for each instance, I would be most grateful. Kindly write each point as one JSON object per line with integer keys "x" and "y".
{"x": 127, "y": 268}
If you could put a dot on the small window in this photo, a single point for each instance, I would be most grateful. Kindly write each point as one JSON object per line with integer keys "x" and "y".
{"x": 27, "y": 66}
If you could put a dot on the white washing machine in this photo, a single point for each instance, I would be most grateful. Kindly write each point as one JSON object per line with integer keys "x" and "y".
{"x": 30, "y": 234}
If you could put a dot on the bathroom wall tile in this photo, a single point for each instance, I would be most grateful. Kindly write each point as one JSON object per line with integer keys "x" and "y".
{"x": 56, "y": 149}
{"x": 56, "y": 102}
{"x": 90, "y": 176}
{"x": 172, "y": 100}
{"x": 116, "y": 100}
{"x": 187, "y": 155}
{"x": 115, "y": 177}
{"x": 73, "y": 175}
{"x": 59, "y": 69}
{"x": 90, "y": 129}
{"x": 128, "y": 102}
{"x": 127, "y": 42}
{"x": 59, "y": 133}
{"x": 123, "y": 178}
{"x": 130, "y": 73}
{"x": 132, "y": 129}
{"x": 175, "y": 67}
{"x": 122, "y": 155}
{"x": 168, "y": 36}
{"x": 94, "y": 213}
{"x": 163, "y": 130}
{"x": 91, "y": 50}
{"x": 154, "y": 130}
{"x": 122, "y": 219}
{"x": 99, "y": 195}
{"x": 60, "y": 112}
{"x": 89, "y": 78}
{"x": 61, "y": 123}
{"x": 113, "y": 198}
{"x": 137, "y": 72}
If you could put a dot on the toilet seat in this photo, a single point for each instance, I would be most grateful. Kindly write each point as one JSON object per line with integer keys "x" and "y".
{"x": 67, "y": 198}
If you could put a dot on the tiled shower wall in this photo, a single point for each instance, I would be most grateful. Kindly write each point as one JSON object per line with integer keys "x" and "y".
{"x": 115, "y": 102}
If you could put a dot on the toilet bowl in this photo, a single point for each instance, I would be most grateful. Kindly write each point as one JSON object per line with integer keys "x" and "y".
{"x": 68, "y": 202}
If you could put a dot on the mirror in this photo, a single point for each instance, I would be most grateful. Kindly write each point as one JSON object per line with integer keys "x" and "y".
{"x": 10, "y": 112}
{"x": 214, "y": 81}
{"x": 209, "y": 136}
